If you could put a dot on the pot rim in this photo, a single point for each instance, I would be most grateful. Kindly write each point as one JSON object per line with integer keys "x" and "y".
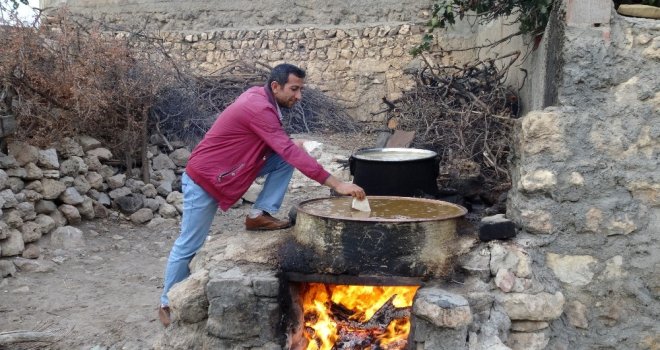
{"x": 462, "y": 210}
{"x": 425, "y": 154}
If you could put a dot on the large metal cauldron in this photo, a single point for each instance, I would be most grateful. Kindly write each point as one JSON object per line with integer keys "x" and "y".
{"x": 402, "y": 236}
{"x": 408, "y": 172}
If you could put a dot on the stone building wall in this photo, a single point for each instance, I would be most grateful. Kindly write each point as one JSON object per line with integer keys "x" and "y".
{"x": 586, "y": 180}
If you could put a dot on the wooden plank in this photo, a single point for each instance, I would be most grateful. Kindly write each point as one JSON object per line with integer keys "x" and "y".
{"x": 400, "y": 139}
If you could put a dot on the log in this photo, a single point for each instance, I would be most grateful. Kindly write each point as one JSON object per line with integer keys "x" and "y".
{"x": 14, "y": 337}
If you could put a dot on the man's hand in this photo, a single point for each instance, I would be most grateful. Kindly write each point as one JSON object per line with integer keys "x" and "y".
{"x": 345, "y": 188}
{"x": 354, "y": 190}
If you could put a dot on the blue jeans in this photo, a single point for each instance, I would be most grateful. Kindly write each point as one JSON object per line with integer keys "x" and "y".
{"x": 199, "y": 208}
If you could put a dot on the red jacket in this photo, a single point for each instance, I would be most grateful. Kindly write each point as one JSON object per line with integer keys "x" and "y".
{"x": 228, "y": 159}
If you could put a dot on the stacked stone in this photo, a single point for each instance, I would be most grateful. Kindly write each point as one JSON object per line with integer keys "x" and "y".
{"x": 44, "y": 189}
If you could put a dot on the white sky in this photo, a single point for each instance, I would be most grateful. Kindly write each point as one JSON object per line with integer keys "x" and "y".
{"x": 25, "y": 13}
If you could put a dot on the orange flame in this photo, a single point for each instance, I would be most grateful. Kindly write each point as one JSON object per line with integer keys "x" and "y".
{"x": 361, "y": 303}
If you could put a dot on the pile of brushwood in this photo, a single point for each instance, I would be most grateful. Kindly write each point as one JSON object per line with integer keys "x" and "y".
{"x": 465, "y": 114}
{"x": 185, "y": 111}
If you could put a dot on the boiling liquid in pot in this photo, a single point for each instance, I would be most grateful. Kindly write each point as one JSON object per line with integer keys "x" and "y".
{"x": 400, "y": 209}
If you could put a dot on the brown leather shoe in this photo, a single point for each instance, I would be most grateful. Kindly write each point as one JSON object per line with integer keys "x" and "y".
{"x": 265, "y": 222}
{"x": 164, "y": 315}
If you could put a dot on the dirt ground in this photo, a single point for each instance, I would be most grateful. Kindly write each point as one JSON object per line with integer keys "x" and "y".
{"x": 105, "y": 295}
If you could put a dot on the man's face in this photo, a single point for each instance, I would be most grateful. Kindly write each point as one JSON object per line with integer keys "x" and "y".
{"x": 290, "y": 93}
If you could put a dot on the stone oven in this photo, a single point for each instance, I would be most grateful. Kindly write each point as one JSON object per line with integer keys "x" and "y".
{"x": 337, "y": 280}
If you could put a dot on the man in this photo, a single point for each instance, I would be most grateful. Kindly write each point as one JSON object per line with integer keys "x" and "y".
{"x": 246, "y": 141}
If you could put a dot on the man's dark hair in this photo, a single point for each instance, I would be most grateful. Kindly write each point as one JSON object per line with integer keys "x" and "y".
{"x": 281, "y": 72}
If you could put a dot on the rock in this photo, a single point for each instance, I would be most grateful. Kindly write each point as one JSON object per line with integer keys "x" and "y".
{"x": 533, "y": 307}
{"x": 29, "y": 265}
{"x": 20, "y": 173}
{"x": 71, "y": 196}
{"x": 505, "y": 280}
{"x": 100, "y": 210}
{"x": 476, "y": 263}
{"x": 188, "y": 299}
{"x": 3, "y": 179}
{"x": 130, "y": 204}
{"x": 180, "y": 157}
{"x": 162, "y": 161}
{"x": 93, "y": 163}
{"x": 571, "y": 269}
{"x": 7, "y": 268}
{"x": 149, "y": 191}
{"x": 95, "y": 180}
{"x": 86, "y": 208}
{"x": 34, "y": 186}
{"x": 8, "y": 199}
{"x": 32, "y": 172}
{"x": 116, "y": 181}
{"x": 153, "y": 204}
{"x": 164, "y": 175}
{"x": 496, "y": 227}
{"x": 73, "y": 166}
{"x": 528, "y": 341}
{"x": 142, "y": 216}
{"x": 52, "y": 188}
{"x": 7, "y": 161}
{"x": 46, "y": 223}
{"x": 577, "y": 314}
{"x": 67, "y": 237}
{"x": 31, "y": 196}
{"x": 81, "y": 184}
{"x": 45, "y": 207}
{"x": 26, "y": 210}
{"x": 32, "y": 251}
{"x": 15, "y": 184}
{"x": 106, "y": 171}
{"x": 167, "y": 210}
{"x": 23, "y": 152}
{"x": 31, "y": 232}
{"x": 4, "y": 230}
{"x": 165, "y": 188}
{"x": 13, "y": 244}
{"x": 68, "y": 147}
{"x": 13, "y": 218}
{"x": 101, "y": 153}
{"x": 510, "y": 257}
{"x": 58, "y": 217}
{"x": 87, "y": 142}
{"x": 71, "y": 213}
{"x": 134, "y": 184}
{"x": 176, "y": 199}
{"x": 441, "y": 308}
{"x": 51, "y": 174}
{"x": 528, "y": 326}
{"x": 120, "y": 192}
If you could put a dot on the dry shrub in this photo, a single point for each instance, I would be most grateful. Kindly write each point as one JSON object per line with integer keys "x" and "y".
{"x": 465, "y": 115}
{"x": 66, "y": 79}
{"x": 186, "y": 109}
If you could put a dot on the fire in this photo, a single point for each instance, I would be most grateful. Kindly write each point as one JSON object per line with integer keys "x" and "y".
{"x": 357, "y": 317}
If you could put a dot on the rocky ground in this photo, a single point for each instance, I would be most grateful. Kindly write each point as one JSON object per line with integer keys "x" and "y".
{"x": 104, "y": 294}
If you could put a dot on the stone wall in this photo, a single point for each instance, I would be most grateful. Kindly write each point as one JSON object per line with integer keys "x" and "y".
{"x": 49, "y": 191}
{"x": 586, "y": 180}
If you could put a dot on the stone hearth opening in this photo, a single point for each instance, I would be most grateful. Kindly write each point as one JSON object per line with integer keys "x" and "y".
{"x": 348, "y": 312}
